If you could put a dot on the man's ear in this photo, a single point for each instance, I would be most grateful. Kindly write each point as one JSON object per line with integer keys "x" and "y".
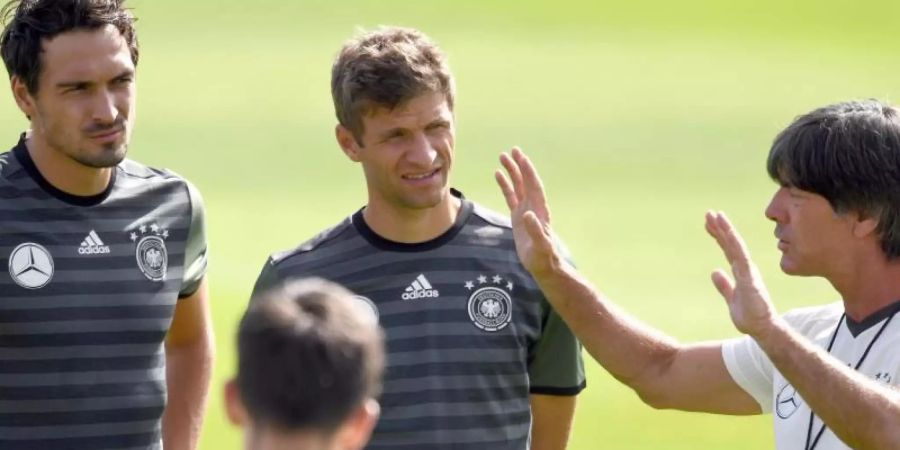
{"x": 865, "y": 225}
{"x": 357, "y": 429}
{"x": 347, "y": 142}
{"x": 24, "y": 99}
{"x": 234, "y": 407}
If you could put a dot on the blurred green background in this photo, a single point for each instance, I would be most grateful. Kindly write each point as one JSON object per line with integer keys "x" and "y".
{"x": 641, "y": 116}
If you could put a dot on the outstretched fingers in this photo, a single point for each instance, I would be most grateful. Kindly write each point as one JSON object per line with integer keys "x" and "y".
{"x": 506, "y": 187}
{"x": 731, "y": 243}
{"x": 515, "y": 176}
{"x": 531, "y": 180}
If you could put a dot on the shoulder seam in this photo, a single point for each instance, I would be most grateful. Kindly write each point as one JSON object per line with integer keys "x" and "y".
{"x": 299, "y": 250}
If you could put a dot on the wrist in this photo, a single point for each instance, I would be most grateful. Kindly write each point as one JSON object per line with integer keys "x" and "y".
{"x": 767, "y": 333}
{"x": 554, "y": 268}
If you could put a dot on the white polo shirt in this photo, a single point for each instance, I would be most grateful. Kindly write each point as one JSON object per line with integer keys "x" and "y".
{"x": 753, "y": 371}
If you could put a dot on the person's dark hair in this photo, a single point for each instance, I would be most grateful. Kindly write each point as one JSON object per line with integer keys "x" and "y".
{"x": 386, "y": 68}
{"x": 848, "y": 153}
{"x": 309, "y": 354}
{"x": 28, "y": 23}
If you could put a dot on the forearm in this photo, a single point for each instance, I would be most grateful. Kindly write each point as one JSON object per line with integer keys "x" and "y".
{"x": 632, "y": 352}
{"x": 551, "y": 421}
{"x": 188, "y": 369}
{"x": 862, "y": 413}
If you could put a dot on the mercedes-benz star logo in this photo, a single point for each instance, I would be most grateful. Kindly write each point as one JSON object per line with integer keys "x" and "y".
{"x": 787, "y": 402}
{"x": 31, "y": 266}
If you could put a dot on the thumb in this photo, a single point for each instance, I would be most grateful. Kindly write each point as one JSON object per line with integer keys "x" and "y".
{"x": 723, "y": 284}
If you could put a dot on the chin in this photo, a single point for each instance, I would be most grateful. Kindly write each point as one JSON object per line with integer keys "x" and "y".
{"x": 107, "y": 156}
{"x": 790, "y": 268}
{"x": 425, "y": 201}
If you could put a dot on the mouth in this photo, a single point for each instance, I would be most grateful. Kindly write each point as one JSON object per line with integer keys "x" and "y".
{"x": 782, "y": 244}
{"x": 107, "y": 135}
{"x": 422, "y": 176}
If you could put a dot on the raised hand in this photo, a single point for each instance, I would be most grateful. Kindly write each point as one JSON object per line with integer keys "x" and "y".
{"x": 747, "y": 297}
{"x": 530, "y": 214}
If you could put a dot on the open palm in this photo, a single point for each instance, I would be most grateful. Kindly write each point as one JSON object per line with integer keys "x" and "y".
{"x": 524, "y": 194}
{"x": 746, "y": 296}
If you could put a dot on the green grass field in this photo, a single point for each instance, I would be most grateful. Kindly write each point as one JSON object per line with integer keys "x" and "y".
{"x": 640, "y": 116}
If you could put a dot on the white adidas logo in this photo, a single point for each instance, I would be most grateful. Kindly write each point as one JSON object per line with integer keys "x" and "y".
{"x": 420, "y": 288}
{"x": 92, "y": 245}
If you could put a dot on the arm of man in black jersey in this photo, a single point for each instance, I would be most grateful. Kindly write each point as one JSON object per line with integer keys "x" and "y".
{"x": 189, "y": 359}
{"x": 551, "y": 421}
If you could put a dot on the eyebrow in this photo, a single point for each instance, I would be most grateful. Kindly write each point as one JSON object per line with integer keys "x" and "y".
{"x": 390, "y": 132}
{"x": 441, "y": 121}
{"x": 81, "y": 83}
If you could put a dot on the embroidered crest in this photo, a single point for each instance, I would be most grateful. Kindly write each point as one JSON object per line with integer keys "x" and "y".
{"x": 490, "y": 305}
{"x": 150, "y": 251}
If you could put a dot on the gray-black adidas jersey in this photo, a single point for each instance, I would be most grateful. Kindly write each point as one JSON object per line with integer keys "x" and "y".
{"x": 469, "y": 334}
{"x": 86, "y": 300}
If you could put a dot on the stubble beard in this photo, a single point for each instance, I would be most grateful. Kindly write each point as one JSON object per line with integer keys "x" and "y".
{"x": 111, "y": 155}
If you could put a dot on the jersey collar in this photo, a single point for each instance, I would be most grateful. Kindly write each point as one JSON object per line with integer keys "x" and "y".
{"x": 857, "y": 328}
{"x": 21, "y": 153}
{"x": 465, "y": 211}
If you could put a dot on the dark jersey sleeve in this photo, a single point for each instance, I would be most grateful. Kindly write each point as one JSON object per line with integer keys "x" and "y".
{"x": 195, "y": 260}
{"x": 556, "y": 367}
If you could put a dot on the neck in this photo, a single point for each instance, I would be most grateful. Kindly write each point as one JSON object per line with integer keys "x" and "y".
{"x": 866, "y": 288}
{"x": 272, "y": 439}
{"x": 63, "y": 172}
{"x": 412, "y": 225}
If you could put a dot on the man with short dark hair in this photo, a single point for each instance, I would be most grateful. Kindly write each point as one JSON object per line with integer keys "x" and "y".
{"x": 829, "y": 373}
{"x": 476, "y": 358}
{"x": 103, "y": 309}
{"x": 310, "y": 362}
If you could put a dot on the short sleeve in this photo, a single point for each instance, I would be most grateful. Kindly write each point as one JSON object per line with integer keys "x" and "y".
{"x": 556, "y": 366}
{"x": 195, "y": 252}
{"x": 750, "y": 368}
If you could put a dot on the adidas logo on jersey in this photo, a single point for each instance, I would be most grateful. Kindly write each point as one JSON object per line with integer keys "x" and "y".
{"x": 93, "y": 245}
{"x": 420, "y": 288}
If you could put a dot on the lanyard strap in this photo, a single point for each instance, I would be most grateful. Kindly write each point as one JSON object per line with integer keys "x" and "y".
{"x": 812, "y": 415}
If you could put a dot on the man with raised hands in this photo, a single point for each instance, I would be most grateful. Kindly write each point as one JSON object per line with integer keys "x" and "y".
{"x": 828, "y": 373}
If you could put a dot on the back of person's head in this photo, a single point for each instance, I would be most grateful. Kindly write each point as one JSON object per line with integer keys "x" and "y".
{"x": 386, "y": 68}
{"x": 28, "y": 23}
{"x": 849, "y": 153}
{"x": 310, "y": 362}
